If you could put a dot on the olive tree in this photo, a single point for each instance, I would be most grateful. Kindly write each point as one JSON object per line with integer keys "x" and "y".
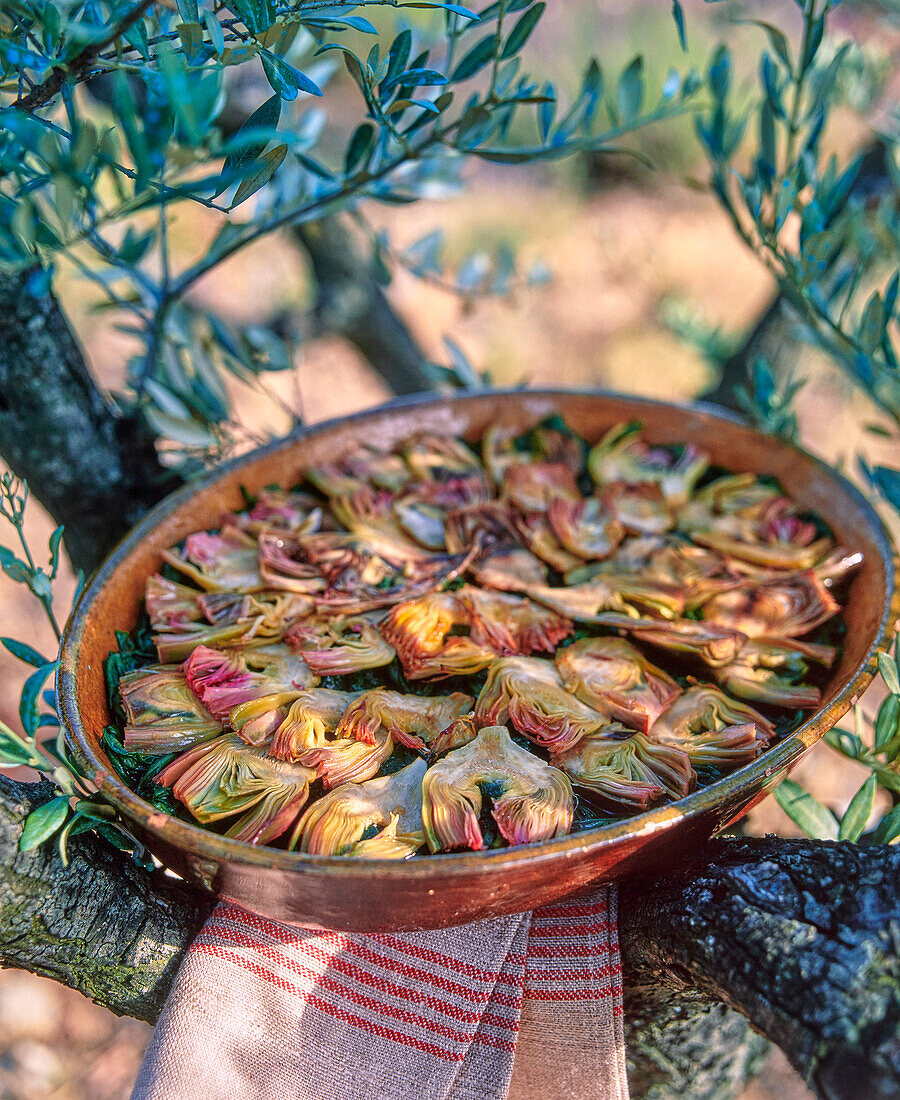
{"x": 115, "y": 114}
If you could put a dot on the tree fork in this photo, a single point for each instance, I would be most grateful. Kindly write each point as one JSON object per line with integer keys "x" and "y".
{"x": 351, "y": 303}
{"x": 801, "y": 937}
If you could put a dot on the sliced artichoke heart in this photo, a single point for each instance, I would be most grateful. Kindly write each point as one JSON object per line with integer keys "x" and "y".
{"x": 712, "y": 728}
{"x": 617, "y": 680}
{"x": 529, "y": 693}
{"x": 531, "y": 800}
{"x": 227, "y": 777}
{"x": 162, "y": 714}
{"x": 337, "y": 822}
{"x": 339, "y": 645}
{"x": 626, "y": 773}
{"x": 411, "y": 720}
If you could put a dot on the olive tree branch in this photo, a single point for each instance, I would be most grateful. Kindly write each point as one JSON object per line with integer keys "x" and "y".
{"x": 80, "y": 65}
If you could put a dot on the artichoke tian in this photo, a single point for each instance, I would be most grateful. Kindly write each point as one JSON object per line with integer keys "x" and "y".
{"x": 426, "y": 644}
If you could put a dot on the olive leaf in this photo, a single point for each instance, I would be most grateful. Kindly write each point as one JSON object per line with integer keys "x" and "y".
{"x": 43, "y": 822}
{"x": 816, "y": 820}
{"x": 859, "y": 811}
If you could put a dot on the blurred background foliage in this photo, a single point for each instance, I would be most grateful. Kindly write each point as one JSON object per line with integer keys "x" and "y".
{"x": 262, "y": 214}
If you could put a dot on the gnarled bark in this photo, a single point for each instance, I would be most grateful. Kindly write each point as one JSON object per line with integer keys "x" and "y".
{"x": 801, "y": 937}
{"x": 94, "y": 470}
{"x": 103, "y": 925}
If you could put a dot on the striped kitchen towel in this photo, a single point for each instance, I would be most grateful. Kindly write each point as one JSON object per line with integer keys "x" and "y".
{"x": 526, "y": 1006}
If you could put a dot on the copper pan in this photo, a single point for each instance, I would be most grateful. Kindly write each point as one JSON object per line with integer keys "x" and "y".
{"x": 367, "y": 895}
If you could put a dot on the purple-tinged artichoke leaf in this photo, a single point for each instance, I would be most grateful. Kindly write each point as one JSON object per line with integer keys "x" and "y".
{"x": 459, "y": 657}
{"x": 355, "y": 592}
{"x": 377, "y": 467}
{"x": 753, "y": 522}
{"x": 774, "y": 555}
{"x": 162, "y": 713}
{"x": 256, "y": 722}
{"x": 272, "y": 613}
{"x": 370, "y": 516}
{"x": 224, "y": 608}
{"x": 538, "y": 536}
{"x": 817, "y": 652}
{"x": 174, "y": 648}
{"x": 347, "y": 761}
{"x": 465, "y": 491}
{"x": 271, "y": 817}
{"x": 531, "y": 801}
{"x": 624, "y": 593}
{"x": 283, "y": 564}
{"x": 283, "y": 508}
{"x": 514, "y": 570}
{"x": 728, "y": 495}
{"x": 460, "y": 732}
{"x": 225, "y": 680}
{"x": 697, "y": 572}
{"x": 489, "y": 525}
{"x": 726, "y": 749}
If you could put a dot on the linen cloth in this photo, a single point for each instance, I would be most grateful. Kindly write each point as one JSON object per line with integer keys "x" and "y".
{"x": 525, "y": 1006}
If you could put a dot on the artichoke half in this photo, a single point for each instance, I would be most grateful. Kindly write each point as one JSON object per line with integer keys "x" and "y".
{"x": 227, "y": 561}
{"x": 530, "y": 800}
{"x": 340, "y": 645}
{"x": 411, "y": 720}
{"x": 162, "y": 714}
{"x": 337, "y": 823}
{"x": 712, "y": 728}
{"x": 617, "y": 680}
{"x": 227, "y": 777}
{"x": 627, "y": 773}
{"x": 529, "y": 693}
